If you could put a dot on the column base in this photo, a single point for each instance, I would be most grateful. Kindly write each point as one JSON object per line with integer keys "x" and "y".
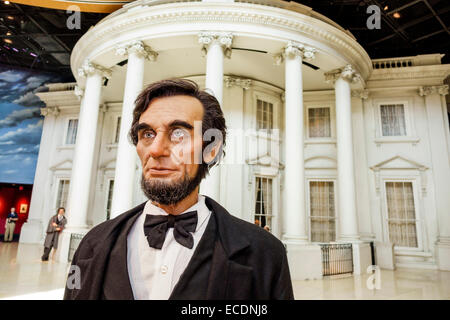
{"x": 32, "y": 232}
{"x": 62, "y": 254}
{"x": 362, "y": 257}
{"x": 443, "y": 254}
{"x": 349, "y": 239}
{"x": 305, "y": 261}
{"x": 294, "y": 240}
{"x": 384, "y": 255}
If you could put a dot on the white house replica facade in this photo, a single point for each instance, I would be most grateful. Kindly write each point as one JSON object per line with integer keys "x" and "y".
{"x": 325, "y": 145}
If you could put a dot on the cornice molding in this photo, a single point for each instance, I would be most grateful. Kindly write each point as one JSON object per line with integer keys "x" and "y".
{"x": 411, "y": 73}
{"x": 194, "y": 13}
{"x": 137, "y": 47}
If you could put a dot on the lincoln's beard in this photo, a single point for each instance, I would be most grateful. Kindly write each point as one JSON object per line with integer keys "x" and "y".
{"x": 168, "y": 193}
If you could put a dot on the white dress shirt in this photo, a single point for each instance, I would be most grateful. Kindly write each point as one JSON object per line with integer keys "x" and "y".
{"x": 153, "y": 273}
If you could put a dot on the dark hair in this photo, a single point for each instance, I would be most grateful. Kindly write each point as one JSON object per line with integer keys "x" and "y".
{"x": 57, "y": 211}
{"x": 212, "y": 115}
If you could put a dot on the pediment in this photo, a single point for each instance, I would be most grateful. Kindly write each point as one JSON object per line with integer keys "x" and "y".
{"x": 399, "y": 162}
{"x": 320, "y": 162}
{"x": 63, "y": 165}
{"x": 266, "y": 161}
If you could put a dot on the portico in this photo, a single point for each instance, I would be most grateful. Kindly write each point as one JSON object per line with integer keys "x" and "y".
{"x": 268, "y": 67}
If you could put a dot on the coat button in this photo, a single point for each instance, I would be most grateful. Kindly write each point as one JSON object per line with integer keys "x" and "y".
{"x": 164, "y": 269}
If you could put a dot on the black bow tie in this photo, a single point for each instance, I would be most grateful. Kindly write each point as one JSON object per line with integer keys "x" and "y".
{"x": 155, "y": 228}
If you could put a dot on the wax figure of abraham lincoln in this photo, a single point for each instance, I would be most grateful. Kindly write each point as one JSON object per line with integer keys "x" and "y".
{"x": 179, "y": 244}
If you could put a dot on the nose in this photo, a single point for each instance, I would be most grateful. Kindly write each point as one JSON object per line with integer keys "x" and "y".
{"x": 160, "y": 146}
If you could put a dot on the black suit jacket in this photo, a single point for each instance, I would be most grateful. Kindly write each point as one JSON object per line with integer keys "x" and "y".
{"x": 233, "y": 260}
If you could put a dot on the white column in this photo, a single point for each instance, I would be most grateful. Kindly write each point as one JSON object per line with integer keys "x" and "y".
{"x": 32, "y": 230}
{"x": 436, "y": 109}
{"x": 77, "y": 203}
{"x": 216, "y": 45}
{"x": 124, "y": 182}
{"x": 346, "y": 169}
{"x": 294, "y": 172}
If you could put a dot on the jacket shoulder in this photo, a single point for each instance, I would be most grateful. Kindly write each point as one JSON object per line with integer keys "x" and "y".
{"x": 102, "y": 233}
{"x": 257, "y": 236}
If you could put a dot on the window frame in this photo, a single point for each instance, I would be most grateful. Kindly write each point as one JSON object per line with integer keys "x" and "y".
{"x": 108, "y": 186}
{"x": 259, "y": 95}
{"x": 272, "y": 200}
{"x": 116, "y": 133}
{"x": 66, "y": 131}
{"x": 419, "y": 226}
{"x": 58, "y": 182}
{"x": 315, "y": 105}
{"x": 336, "y": 208}
{"x": 410, "y": 136}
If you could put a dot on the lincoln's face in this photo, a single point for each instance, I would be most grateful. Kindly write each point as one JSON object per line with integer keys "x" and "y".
{"x": 166, "y": 141}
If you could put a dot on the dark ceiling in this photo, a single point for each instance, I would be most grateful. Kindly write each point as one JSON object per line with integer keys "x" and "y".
{"x": 38, "y": 38}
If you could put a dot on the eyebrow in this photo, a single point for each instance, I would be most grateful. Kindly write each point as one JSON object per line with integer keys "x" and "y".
{"x": 174, "y": 123}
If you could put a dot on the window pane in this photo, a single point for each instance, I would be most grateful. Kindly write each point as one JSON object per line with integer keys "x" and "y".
{"x": 319, "y": 122}
{"x": 264, "y": 115}
{"x": 116, "y": 140}
{"x": 63, "y": 193}
{"x": 109, "y": 201}
{"x": 401, "y": 214}
{"x": 393, "y": 120}
{"x": 322, "y": 212}
{"x": 72, "y": 131}
{"x": 263, "y": 203}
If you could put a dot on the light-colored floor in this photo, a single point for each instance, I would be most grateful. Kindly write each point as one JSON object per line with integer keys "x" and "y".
{"x": 24, "y": 276}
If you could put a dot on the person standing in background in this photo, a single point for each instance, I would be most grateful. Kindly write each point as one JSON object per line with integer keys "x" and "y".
{"x": 55, "y": 226}
{"x": 10, "y": 225}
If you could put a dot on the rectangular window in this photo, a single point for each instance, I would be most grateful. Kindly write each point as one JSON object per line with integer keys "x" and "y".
{"x": 72, "y": 131}
{"x": 322, "y": 211}
{"x": 393, "y": 120}
{"x": 263, "y": 203}
{"x": 109, "y": 201}
{"x": 401, "y": 214}
{"x": 264, "y": 115}
{"x": 116, "y": 140}
{"x": 63, "y": 193}
{"x": 319, "y": 122}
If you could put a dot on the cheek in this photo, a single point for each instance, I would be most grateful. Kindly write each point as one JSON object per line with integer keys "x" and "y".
{"x": 141, "y": 152}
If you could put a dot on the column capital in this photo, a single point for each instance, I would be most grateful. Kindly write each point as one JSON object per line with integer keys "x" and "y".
{"x": 236, "y": 81}
{"x": 347, "y": 73}
{"x": 90, "y": 68}
{"x": 137, "y": 47}
{"x": 79, "y": 92}
{"x": 295, "y": 49}
{"x": 426, "y": 90}
{"x": 54, "y": 111}
{"x": 225, "y": 39}
{"x": 361, "y": 94}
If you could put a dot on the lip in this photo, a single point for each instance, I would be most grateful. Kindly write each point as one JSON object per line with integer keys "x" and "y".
{"x": 161, "y": 171}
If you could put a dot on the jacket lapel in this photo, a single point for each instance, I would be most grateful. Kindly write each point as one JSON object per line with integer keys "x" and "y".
{"x": 116, "y": 285}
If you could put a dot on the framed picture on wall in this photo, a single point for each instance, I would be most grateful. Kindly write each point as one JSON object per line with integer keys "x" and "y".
{"x": 23, "y": 208}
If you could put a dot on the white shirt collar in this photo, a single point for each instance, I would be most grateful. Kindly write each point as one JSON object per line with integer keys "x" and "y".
{"x": 201, "y": 208}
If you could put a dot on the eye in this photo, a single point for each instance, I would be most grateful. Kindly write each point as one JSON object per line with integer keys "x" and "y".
{"x": 148, "y": 135}
{"x": 178, "y": 135}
